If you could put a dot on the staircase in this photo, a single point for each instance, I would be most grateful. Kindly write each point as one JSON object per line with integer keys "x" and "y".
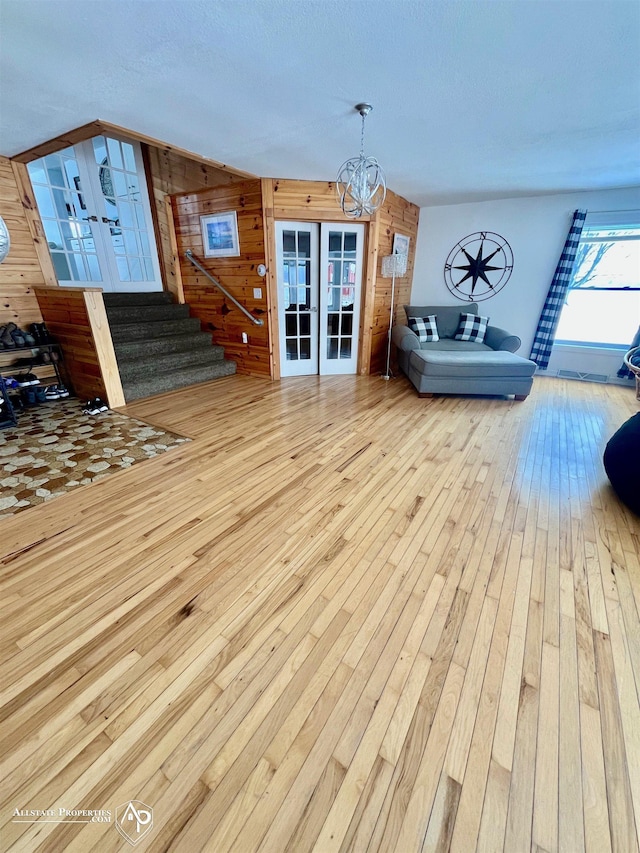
{"x": 158, "y": 346}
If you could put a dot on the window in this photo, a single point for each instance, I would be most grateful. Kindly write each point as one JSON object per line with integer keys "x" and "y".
{"x": 603, "y": 303}
{"x": 95, "y": 212}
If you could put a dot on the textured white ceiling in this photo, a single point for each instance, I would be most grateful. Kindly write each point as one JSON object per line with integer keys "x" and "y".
{"x": 472, "y": 100}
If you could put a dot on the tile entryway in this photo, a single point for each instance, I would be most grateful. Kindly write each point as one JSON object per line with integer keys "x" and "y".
{"x": 55, "y": 448}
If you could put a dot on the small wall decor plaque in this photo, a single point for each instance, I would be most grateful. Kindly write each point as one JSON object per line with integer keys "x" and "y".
{"x": 220, "y": 235}
{"x": 400, "y": 244}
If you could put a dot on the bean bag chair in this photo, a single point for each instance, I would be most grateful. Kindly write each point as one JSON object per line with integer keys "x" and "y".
{"x": 622, "y": 462}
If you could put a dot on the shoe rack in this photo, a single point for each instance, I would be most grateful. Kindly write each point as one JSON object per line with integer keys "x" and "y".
{"x": 43, "y": 361}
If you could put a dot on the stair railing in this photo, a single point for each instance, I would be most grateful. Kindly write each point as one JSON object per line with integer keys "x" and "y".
{"x": 194, "y": 260}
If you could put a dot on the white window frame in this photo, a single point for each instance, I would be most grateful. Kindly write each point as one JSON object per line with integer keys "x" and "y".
{"x": 594, "y": 231}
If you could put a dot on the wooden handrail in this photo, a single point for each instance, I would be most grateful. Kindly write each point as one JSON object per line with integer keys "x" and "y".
{"x": 191, "y": 257}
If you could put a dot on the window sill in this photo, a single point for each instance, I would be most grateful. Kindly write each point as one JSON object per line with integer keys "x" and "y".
{"x": 591, "y": 349}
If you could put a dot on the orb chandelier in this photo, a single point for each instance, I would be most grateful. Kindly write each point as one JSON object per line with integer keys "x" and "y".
{"x": 361, "y": 183}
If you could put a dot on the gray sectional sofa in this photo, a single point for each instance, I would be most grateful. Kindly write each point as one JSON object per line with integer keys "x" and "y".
{"x": 448, "y": 366}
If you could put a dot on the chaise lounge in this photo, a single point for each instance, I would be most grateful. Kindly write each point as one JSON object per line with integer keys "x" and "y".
{"x": 440, "y": 364}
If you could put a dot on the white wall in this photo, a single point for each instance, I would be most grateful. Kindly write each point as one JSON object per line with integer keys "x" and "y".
{"x": 535, "y": 227}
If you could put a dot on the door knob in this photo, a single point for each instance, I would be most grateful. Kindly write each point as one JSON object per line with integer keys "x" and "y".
{"x": 90, "y": 218}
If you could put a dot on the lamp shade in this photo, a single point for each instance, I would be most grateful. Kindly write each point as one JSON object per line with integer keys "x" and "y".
{"x": 394, "y": 265}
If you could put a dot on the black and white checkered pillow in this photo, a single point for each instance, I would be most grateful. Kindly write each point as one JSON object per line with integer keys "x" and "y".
{"x": 472, "y": 327}
{"x": 425, "y": 328}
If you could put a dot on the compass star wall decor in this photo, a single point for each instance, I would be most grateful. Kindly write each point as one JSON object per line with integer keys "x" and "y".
{"x": 478, "y": 266}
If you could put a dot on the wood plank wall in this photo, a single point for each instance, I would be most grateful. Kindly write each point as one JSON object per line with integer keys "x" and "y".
{"x": 21, "y": 271}
{"x": 238, "y": 275}
{"x": 396, "y": 216}
{"x": 315, "y": 201}
{"x": 76, "y": 317}
{"x": 168, "y": 173}
{"x": 309, "y": 201}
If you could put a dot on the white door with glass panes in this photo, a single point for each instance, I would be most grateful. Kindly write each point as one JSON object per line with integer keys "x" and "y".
{"x": 95, "y": 211}
{"x": 319, "y": 295}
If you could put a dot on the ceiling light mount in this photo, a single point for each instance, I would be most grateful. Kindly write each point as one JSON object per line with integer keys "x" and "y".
{"x": 361, "y": 183}
{"x": 363, "y": 109}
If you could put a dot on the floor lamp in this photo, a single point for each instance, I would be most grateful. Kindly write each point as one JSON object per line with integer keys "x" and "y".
{"x": 392, "y": 266}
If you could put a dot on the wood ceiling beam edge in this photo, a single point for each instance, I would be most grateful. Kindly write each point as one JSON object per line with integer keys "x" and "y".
{"x": 95, "y": 128}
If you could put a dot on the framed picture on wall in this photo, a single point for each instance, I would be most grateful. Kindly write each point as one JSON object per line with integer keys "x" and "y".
{"x": 220, "y": 235}
{"x": 400, "y": 244}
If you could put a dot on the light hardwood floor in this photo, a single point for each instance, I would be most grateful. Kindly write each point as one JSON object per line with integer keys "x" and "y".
{"x": 340, "y": 619}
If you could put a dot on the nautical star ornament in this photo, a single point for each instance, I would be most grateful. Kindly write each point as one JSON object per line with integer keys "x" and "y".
{"x": 478, "y": 266}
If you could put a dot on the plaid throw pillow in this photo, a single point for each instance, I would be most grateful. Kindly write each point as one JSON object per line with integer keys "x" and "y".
{"x": 425, "y": 328}
{"x": 472, "y": 327}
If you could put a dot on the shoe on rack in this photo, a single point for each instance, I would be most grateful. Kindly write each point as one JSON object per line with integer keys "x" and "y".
{"x": 41, "y": 334}
{"x": 11, "y": 383}
{"x": 41, "y": 396}
{"x": 51, "y": 392}
{"x": 29, "y": 340}
{"x": 18, "y": 338}
{"x": 62, "y": 391}
{"x": 5, "y": 336}
{"x": 27, "y": 379}
{"x": 102, "y": 406}
{"x": 28, "y": 397}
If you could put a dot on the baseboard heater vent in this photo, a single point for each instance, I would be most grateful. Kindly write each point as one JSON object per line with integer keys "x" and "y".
{"x": 583, "y": 377}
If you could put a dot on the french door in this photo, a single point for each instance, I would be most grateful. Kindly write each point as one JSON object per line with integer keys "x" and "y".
{"x": 319, "y": 295}
{"x": 95, "y": 211}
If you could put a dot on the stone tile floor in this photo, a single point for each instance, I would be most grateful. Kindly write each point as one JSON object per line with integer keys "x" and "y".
{"x": 56, "y": 448}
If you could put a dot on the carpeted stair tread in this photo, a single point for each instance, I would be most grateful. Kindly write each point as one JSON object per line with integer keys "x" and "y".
{"x": 153, "y": 329}
{"x": 146, "y": 313}
{"x": 124, "y": 299}
{"x": 158, "y": 346}
{"x": 141, "y": 367}
{"x": 145, "y": 347}
{"x": 170, "y": 380}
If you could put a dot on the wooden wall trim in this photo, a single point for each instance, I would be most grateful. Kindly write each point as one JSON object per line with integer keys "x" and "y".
{"x": 271, "y": 279}
{"x": 162, "y": 260}
{"x": 173, "y": 282}
{"x": 368, "y": 303}
{"x": 97, "y": 314}
{"x": 72, "y": 289}
{"x": 65, "y": 140}
{"x": 95, "y": 128}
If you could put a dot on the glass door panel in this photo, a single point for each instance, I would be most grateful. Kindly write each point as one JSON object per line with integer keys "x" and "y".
{"x": 341, "y": 249}
{"x": 96, "y": 215}
{"x": 297, "y": 259}
{"x": 69, "y": 227}
{"x": 117, "y": 172}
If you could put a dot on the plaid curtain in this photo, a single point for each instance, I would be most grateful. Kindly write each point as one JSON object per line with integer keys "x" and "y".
{"x": 548, "y": 322}
{"x": 624, "y": 372}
